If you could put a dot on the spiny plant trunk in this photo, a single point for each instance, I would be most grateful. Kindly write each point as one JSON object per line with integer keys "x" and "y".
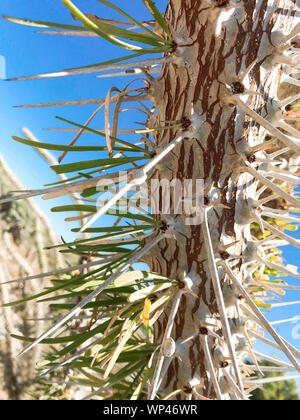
{"x": 218, "y": 48}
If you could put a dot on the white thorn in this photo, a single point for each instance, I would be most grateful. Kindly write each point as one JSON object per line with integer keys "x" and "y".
{"x": 279, "y": 215}
{"x": 267, "y": 125}
{"x": 219, "y": 298}
{"x": 237, "y": 391}
{"x": 289, "y": 128}
{"x": 167, "y": 334}
{"x": 263, "y": 321}
{"x": 210, "y": 366}
{"x": 273, "y": 187}
{"x": 275, "y": 345}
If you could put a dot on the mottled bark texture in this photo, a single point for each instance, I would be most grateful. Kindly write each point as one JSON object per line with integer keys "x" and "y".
{"x": 216, "y": 45}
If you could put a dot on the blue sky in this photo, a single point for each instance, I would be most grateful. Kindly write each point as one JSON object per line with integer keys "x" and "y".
{"x": 26, "y": 53}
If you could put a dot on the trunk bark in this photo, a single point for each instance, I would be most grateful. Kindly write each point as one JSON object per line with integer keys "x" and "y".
{"x": 217, "y": 44}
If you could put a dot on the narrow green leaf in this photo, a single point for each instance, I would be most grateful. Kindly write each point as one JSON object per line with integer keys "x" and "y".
{"x": 95, "y": 28}
{"x": 104, "y": 247}
{"x": 108, "y": 62}
{"x": 127, "y": 34}
{"x": 80, "y": 175}
{"x": 41, "y": 24}
{"x": 91, "y": 305}
{"x": 98, "y": 248}
{"x": 59, "y": 147}
{"x": 296, "y": 105}
{"x": 88, "y": 164}
{"x": 98, "y": 239}
{"x": 52, "y": 289}
{"x": 126, "y": 332}
{"x": 130, "y": 18}
{"x": 172, "y": 394}
{"x": 92, "y": 333}
{"x": 126, "y": 371}
{"x": 74, "y": 207}
{"x": 131, "y": 146}
{"x": 132, "y": 276}
{"x": 146, "y": 291}
{"x": 157, "y": 15}
{"x": 147, "y": 375}
{"x": 56, "y": 340}
{"x": 135, "y": 216}
{"x": 262, "y": 305}
{"x": 128, "y": 229}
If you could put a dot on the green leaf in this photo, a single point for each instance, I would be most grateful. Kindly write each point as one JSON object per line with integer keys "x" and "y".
{"x": 126, "y": 371}
{"x": 157, "y": 15}
{"x": 262, "y": 305}
{"x": 296, "y": 105}
{"x": 52, "y": 289}
{"x": 48, "y": 146}
{"x": 291, "y": 227}
{"x": 126, "y": 332}
{"x": 89, "y": 192}
{"x": 92, "y": 333}
{"x": 128, "y": 229}
{"x": 91, "y": 305}
{"x": 80, "y": 175}
{"x": 41, "y": 24}
{"x": 95, "y": 28}
{"x": 131, "y": 277}
{"x": 127, "y": 34}
{"x": 134, "y": 216}
{"x": 104, "y": 247}
{"x": 172, "y": 394}
{"x": 81, "y": 337}
{"x": 88, "y": 164}
{"x": 146, "y": 291}
{"x": 56, "y": 340}
{"x": 131, "y": 146}
{"x": 97, "y": 239}
{"x": 130, "y": 18}
{"x": 108, "y": 62}
{"x": 147, "y": 375}
{"x": 74, "y": 207}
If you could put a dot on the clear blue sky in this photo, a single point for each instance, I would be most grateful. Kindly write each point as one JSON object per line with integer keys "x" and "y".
{"x": 27, "y": 53}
